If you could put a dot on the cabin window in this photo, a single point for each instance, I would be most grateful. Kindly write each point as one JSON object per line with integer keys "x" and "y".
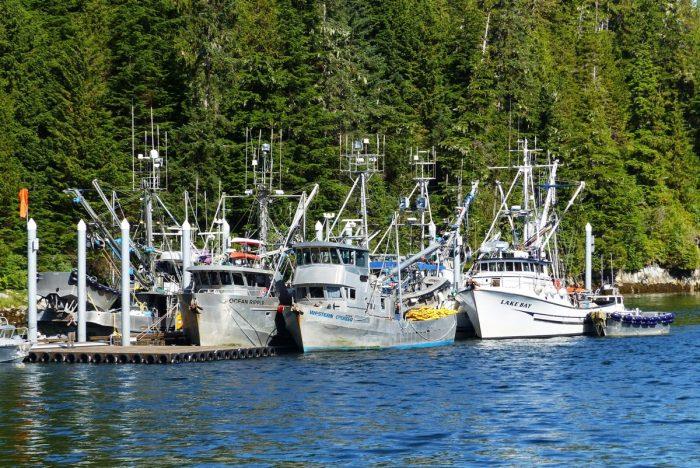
{"x": 237, "y": 279}
{"x": 300, "y": 257}
{"x": 316, "y": 292}
{"x": 335, "y": 258}
{"x": 509, "y": 266}
{"x": 258, "y": 280}
{"x": 518, "y": 266}
{"x": 499, "y": 266}
{"x": 213, "y": 278}
{"x": 496, "y": 282}
{"x": 351, "y": 293}
{"x": 301, "y": 293}
{"x": 324, "y": 256}
{"x": 307, "y": 257}
{"x": 361, "y": 259}
{"x": 314, "y": 256}
{"x": 347, "y": 256}
{"x": 526, "y": 267}
{"x": 333, "y": 292}
{"x": 225, "y": 278}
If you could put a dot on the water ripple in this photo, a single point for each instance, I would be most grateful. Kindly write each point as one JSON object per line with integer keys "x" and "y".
{"x": 564, "y": 401}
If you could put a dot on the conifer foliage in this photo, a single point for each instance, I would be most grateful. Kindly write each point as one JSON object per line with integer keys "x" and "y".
{"x": 611, "y": 87}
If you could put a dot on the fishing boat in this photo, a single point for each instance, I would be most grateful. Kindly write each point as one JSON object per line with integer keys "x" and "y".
{"x": 515, "y": 288}
{"x": 610, "y": 317}
{"x": 341, "y": 304}
{"x": 13, "y": 347}
{"x": 155, "y": 266}
{"x": 235, "y": 296}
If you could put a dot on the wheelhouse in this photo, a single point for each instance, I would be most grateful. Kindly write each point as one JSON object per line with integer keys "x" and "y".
{"x": 510, "y": 265}
{"x": 226, "y": 277}
{"x": 328, "y": 253}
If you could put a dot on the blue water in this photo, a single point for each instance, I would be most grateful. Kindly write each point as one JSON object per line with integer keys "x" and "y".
{"x": 569, "y": 400}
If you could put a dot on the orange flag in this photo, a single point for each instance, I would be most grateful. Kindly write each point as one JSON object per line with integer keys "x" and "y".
{"x": 23, "y": 202}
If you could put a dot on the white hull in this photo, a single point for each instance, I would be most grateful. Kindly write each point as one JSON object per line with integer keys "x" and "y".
{"x": 321, "y": 329}
{"x": 14, "y": 352}
{"x": 230, "y": 320}
{"x": 499, "y": 313}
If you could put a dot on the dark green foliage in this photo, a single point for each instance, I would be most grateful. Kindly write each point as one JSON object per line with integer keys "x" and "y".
{"x": 611, "y": 87}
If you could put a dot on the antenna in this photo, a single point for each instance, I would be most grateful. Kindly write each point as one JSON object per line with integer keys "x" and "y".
{"x": 360, "y": 163}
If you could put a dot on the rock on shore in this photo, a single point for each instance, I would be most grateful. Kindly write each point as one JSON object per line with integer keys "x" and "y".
{"x": 654, "y": 279}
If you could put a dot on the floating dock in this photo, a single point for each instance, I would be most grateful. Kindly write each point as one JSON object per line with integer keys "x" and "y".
{"x": 148, "y": 354}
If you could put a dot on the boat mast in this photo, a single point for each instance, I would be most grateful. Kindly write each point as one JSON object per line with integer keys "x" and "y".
{"x": 360, "y": 163}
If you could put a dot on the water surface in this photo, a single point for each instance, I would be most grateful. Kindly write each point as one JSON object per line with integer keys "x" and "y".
{"x": 563, "y": 400}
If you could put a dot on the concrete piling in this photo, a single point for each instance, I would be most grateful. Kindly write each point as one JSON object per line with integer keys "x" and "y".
{"x": 126, "y": 285}
{"x": 185, "y": 245}
{"x": 589, "y": 254}
{"x": 32, "y": 249}
{"x": 82, "y": 291}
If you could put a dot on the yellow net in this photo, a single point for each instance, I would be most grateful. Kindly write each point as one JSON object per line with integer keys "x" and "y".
{"x": 428, "y": 313}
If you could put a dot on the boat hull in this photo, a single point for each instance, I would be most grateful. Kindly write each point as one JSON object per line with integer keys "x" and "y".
{"x": 231, "y": 320}
{"x": 497, "y": 313}
{"x": 317, "y": 329}
{"x": 14, "y": 352}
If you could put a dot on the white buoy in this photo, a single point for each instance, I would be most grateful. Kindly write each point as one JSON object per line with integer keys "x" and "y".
{"x": 126, "y": 286}
{"x": 32, "y": 249}
{"x": 185, "y": 244}
{"x": 589, "y": 253}
{"x": 82, "y": 291}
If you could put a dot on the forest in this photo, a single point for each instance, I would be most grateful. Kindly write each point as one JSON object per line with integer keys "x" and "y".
{"x": 611, "y": 87}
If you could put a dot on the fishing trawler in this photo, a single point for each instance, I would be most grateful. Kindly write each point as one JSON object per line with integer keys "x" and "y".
{"x": 515, "y": 289}
{"x": 235, "y": 298}
{"x": 155, "y": 267}
{"x": 340, "y": 304}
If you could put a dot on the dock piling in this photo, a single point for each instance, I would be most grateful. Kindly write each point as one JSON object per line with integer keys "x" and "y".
{"x": 589, "y": 253}
{"x": 32, "y": 249}
{"x": 82, "y": 291}
{"x": 126, "y": 289}
{"x": 186, "y": 255}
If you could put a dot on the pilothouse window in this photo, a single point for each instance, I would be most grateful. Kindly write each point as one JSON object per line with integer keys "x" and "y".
{"x": 347, "y": 256}
{"x": 316, "y": 292}
{"x": 225, "y": 278}
{"x": 213, "y": 278}
{"x": 333, "y": 292}
{"x": 361, "y": 259}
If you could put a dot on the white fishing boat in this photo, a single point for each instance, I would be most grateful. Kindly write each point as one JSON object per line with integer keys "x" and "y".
{"x": 235, "y": 297}
{"x": 13, "y": 346}
{"x": 515, "y": 288}
{"x": 341, "y": 303}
